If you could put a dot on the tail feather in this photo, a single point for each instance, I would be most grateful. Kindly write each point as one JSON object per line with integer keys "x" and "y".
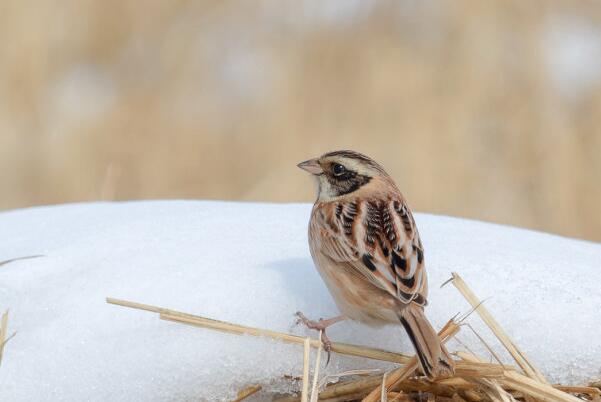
{"x": 433, "y": 357}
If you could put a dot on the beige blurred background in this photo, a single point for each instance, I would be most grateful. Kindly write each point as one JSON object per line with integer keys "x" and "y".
{"x": 487, "y": 110}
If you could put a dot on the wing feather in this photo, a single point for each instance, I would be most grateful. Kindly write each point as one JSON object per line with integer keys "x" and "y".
{"x": 378, "y": 239}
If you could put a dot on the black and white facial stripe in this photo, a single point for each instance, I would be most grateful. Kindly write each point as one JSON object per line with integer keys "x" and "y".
{"x": 344, "y": 172}
{"x": 356, "y": 156}
{"x": 343, "y": 180}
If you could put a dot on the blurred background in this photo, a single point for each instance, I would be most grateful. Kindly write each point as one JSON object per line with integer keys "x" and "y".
{"x": 487, "y": 110}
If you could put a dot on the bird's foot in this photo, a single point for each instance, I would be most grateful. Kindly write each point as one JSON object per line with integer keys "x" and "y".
{"x": 319, "y": 325}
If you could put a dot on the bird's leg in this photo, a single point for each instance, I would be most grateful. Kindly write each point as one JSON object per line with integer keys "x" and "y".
{"x": 320, "y": 325}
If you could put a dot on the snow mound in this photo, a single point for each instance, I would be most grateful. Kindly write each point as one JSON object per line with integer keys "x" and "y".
{"x": 250, "y": 264}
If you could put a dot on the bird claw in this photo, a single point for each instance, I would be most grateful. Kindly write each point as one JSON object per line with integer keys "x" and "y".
{"x": 319, "y": 325}
{"x": 327, "y": 346}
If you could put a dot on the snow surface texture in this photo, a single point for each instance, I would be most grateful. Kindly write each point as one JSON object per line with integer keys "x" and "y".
{"x": 250, "y": 264}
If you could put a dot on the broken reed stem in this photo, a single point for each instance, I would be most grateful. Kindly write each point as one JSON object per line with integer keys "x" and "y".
{"x": 493, "y": 379}
{"x": 400, "y": 374}
{"x": 246, "y": 392}
{"x": 445, "y": 387}
{"x": 383, "y": 392}
{"x": 314, "y": 391}
{"x": 537, "y": 390}
{"x": 579, "y": 390}
{"x": 306, "y": 357}
{"x": 493, "y": 390}
{"x": 395, "y": 376}
{"x": 351, "y": 387}
{"x": 184, "y": 318}
{"x": 3, "y": 331}
{"x": 528, "y": 386}
{"x": 530, "y": 370}
{"x": 345, "y": 398}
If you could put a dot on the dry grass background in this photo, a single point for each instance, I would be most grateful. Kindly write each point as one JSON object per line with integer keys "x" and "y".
{"x": 489, "y": 110}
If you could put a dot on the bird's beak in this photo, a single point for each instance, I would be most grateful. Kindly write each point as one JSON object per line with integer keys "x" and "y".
{"x": 312, "y": 166}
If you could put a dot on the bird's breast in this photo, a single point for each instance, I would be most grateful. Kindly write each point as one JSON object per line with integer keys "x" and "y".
{"x": 356, "y": 297}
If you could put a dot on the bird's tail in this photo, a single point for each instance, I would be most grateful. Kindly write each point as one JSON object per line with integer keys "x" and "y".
{"x": 432, "y": 356}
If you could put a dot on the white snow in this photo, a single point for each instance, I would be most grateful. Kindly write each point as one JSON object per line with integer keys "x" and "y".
{"x": 250, "y": 264}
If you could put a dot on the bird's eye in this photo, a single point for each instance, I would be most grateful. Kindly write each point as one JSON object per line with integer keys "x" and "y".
{"x": 338, "y": 169}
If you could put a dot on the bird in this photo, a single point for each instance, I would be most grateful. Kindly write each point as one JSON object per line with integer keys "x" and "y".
{"x": 366, "y": 247}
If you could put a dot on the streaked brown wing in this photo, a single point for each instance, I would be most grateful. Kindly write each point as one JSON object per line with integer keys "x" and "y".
{"x": 379, "y": 239}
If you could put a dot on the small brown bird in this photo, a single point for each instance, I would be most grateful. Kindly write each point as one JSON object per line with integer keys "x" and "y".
{"x": 367, "y": 249}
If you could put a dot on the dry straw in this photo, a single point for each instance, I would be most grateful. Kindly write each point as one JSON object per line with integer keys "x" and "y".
{"x": 246, "y": 392}
{"x": 530, "y": 370}
{"x": 198, "y": 321}
{"x": 4, "y": 338}
{"x": 314, "y": 390}
{"x": 474, "y": 380}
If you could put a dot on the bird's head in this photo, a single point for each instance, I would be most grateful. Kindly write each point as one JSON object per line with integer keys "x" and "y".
{"x": 342, "y": 173}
